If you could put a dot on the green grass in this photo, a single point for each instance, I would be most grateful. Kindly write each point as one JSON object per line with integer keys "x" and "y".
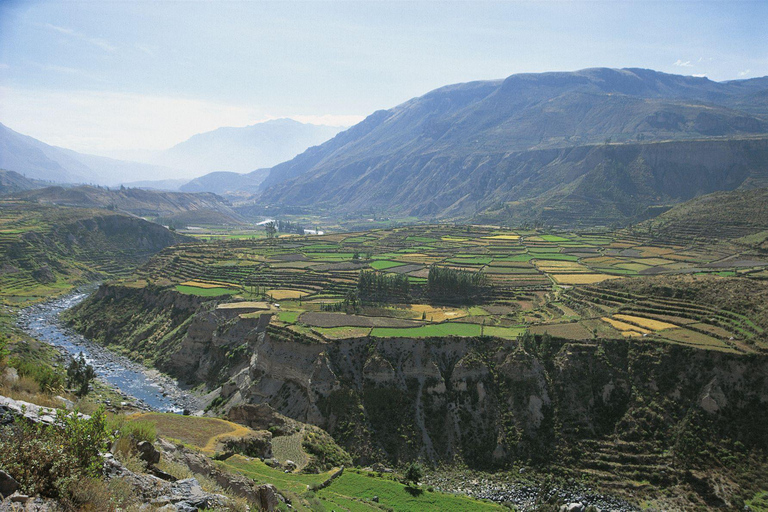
{"x": 398, "y": 496}
{"x": 289, "y": 317}
{"x": 263, "y": 474}
{"x": 517, "y": 257}
{"x": 205, "y": 292}
{"x": 555, "y": 256}
{"x": 426, "y": 331}
{"x": 554, "y": 238}
{"x": 759, "y": 503}
{"x": 384, "y": 264}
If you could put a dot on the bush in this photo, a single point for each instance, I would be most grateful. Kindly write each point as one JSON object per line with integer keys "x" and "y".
{"x": 47, "y": 378}
{"x": 47, "y": 459}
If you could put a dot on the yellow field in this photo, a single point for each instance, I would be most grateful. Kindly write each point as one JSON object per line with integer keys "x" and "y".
{"x": 650, "y": 251}
{"x": 207, "y": 284}
{"x": 561, "y": 266}
{"x": 631, "y": 334}
{"x": 286, "y": 294}
{"x": 244, "y": 305}
{"x": 624, "y": 327}
{"x": 654, "y": 325}
{"x": 436, "y": 314}
{"x": 503, "y": 237}
{"x": 581, "y": 278}
{"x": 203, "y": 433}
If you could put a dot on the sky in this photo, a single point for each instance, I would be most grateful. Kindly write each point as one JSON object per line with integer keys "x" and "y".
{"x": 104, "y": 76}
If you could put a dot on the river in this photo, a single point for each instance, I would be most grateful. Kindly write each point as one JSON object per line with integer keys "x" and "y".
{"x": 142, "y": 387}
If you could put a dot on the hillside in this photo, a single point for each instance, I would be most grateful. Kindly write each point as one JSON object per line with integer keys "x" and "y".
{"x": 37, "y": 160}
{"x": 551, "y": 362}
{"x": 718, "y": 216}
{"x": 227, "y": 183}
{"x": 12, "y": 182}
{"x": 46, "y": 248}
{"x": 546, "y": 138}
{"x": 144, "y": 203}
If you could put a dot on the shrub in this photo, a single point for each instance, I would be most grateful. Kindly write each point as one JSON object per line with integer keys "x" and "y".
{"x": 47, "y": 459}
{"x": 46, "y": 377}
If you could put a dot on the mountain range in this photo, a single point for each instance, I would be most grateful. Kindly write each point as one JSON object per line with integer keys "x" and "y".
{"x": 597, "y": 145}
{"x": 226, "y": 149}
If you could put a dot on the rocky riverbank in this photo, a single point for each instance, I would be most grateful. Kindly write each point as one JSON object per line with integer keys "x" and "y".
{"x": 141, "y": 387}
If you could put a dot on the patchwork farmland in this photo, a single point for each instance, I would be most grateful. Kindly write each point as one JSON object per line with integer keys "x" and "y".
{"x": 566, "y": 284}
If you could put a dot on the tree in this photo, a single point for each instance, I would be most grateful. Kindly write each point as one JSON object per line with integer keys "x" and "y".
{"x": 271, "y": 229}
{"x": 414, "y": 473}
{"x": 79, "y": 375}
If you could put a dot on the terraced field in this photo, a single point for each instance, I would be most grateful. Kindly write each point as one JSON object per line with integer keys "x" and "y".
{"x": 46, "y": 249}
{"x": 545, "y": 282}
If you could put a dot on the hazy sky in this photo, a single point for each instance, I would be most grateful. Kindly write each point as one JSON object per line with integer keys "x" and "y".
{"x": 110, "y": 75}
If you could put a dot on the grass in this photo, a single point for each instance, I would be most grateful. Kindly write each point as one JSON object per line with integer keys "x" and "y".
{"x": 286, "y": 294}
{"x": 428, "y": 331}
{"x": 581, "y": 278}
{"x": 397, "y": 496}
{"x": 385, "y": 264}
{"x": 289, "y": 448}
{"x": 289, "y": 317}
{"x": 205, "y": 292}
{"x": 199, "y": 432}
{"x": 654, "y": 325}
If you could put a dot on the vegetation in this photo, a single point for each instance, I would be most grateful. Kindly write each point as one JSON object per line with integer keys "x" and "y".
{"x": 49, "y": 460}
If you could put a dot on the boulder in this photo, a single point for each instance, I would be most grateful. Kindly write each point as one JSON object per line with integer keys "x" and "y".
{"x": 268, "y": 497}
{"x": 147, "y": 452}
{"x": 8, "y": 484}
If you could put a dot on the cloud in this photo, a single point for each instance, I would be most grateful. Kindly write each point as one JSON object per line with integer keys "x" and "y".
{"x": 145, "y": 48}
{"x": 95, "y": 41}
{"x": 745, "y": 72}
{"x": 101, "y": 122}
{"x": 683, "y": 64}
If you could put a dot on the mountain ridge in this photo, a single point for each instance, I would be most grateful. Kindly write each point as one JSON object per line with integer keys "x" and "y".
{"x": 467, "y": 126}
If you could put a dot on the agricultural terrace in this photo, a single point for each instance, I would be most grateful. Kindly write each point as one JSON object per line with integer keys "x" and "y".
{"x": 377, "y": 283}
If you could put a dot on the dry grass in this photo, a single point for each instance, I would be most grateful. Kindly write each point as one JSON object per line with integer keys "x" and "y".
{"x": 202, "y": 433}
{"x": 289, "y": 448}
{"x": 244, "y": 305}
{"x": 623, "y": 326}
{"x": 286, "y": 294}
{"x": 436, "y": 313}
{"x": 654, "y": 325}
{"x": 503, "y": 237}
{"x": 206, "y": 285}
{"x": 582, "y": 278}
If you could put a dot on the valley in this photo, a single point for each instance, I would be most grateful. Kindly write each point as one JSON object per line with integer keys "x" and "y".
{"x": 539, "y": 292}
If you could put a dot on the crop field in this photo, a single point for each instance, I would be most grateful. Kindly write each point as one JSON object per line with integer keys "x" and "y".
{"x": 533, "y": 280}
{"x": 354, "y": 490}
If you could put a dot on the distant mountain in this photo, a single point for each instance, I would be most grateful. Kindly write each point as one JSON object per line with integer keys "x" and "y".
{"x": 564, "y": 142}
{"x": 228, "y": 184}
{"x": 38, "y": 160}
{"x": 239, "y": 150}
{"x": 12, "y": 182}
{"x": 144, "y": 203}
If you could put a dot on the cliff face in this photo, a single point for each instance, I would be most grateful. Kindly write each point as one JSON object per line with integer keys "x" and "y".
{"x": 488, "y": 402}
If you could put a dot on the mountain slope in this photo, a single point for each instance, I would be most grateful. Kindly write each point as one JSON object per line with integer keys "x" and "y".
{"x": 468, "y": 148}
{"x": 136, "y": 201}
{"x": 227, "y": 183}
{"x": 38, "y": 160}
{"x": 240, "y": 149}
{"x": 12, "y": 182}
{"x": 718, "y": 216}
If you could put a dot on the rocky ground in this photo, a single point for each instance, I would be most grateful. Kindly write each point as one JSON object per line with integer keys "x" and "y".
{"x": 525, "y": 496}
